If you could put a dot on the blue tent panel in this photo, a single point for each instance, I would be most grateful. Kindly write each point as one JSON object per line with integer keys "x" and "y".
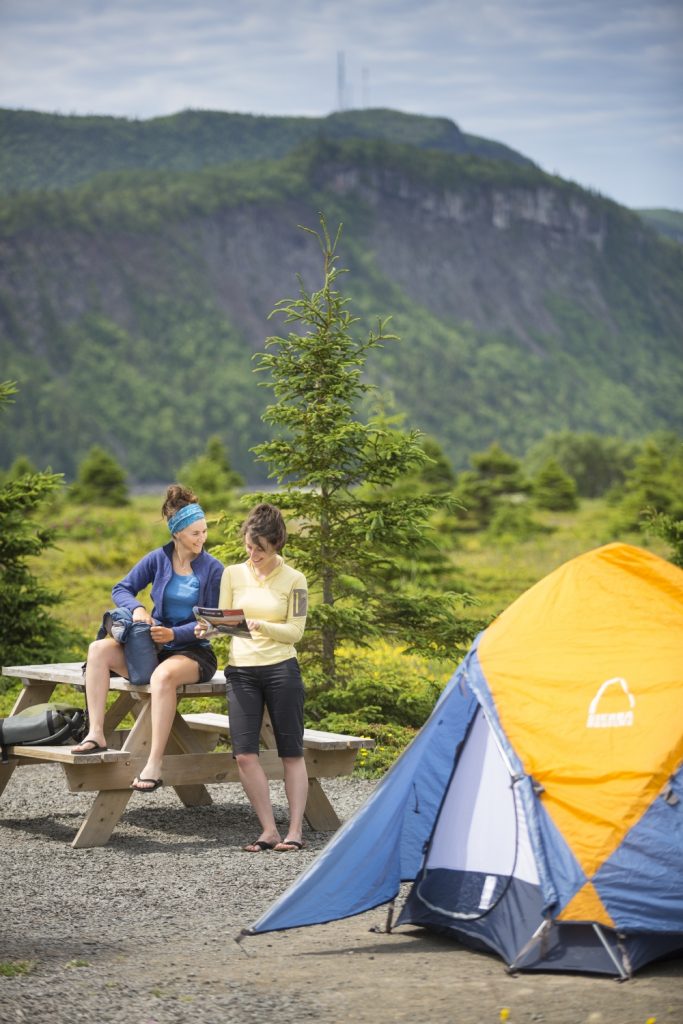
{"x": 651, "y": 852}
{"x": 382, "y": 844}
{"x": 504, "y": 929}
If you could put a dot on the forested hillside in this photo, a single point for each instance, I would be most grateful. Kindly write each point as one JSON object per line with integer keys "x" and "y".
{"x": 52, "y": 151}
{"x": 668, "y": 223}
{"x": 131, "y": 304}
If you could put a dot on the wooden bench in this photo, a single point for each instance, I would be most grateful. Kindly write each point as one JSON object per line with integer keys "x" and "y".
{"x": 190, "y": 761}
{"x": 314, "y": 739}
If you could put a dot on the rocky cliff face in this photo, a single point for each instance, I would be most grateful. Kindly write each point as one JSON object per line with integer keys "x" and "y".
{"x": 497, "y": 256}
{"x": 484, "y": 255}
{"x": 494, "y": 276}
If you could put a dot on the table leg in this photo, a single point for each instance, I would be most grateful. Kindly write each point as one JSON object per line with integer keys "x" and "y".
{"x": 6, "y": 771}
{"x": 102, "y": 818}
{"x": 319, "y": 813}
{"x": 32, "y": 693}
{"x": 109, "y": 805}
{"x": 183, "y": 741}
{"x": 117, "y": 712}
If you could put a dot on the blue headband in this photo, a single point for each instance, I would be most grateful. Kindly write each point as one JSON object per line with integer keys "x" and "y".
{"x": 184, "y": 517}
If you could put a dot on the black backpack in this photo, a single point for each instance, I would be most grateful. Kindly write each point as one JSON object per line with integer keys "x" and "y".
{"x": 41, "y": 725}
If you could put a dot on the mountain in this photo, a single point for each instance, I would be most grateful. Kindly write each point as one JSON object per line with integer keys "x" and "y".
{"x": 668, "y": 223}
{"x": 131, "y": 304}
{"x": 50, "y": 151}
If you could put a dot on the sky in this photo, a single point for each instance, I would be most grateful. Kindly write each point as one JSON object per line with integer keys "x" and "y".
{"x": 589, "y": 89}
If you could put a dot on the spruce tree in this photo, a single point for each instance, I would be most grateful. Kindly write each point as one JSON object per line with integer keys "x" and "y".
{"x": 28, "y": 634}
{"x": 336, "y": 473}
{"x": 101, "y": 480}
{"x": 211, "y": 476}
{"x": 553, "y": 489}
{"x": 496, "y": 476}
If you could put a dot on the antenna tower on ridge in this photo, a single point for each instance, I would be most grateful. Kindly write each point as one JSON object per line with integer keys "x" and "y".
{"x": 365, "y": 81}
{"x": 341, "y": 81}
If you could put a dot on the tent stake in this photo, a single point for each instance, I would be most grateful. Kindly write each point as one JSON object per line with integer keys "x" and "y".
{"x": 389, "y": 922}
{"x": 239, "y": 938}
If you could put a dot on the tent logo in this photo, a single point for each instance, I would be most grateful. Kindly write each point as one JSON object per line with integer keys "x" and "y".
{"x": 612, "y": 718}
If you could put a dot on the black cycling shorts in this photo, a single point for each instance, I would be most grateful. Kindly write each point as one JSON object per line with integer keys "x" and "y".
{"x": 278, "y": 687}
{"x": 201, "y": 653}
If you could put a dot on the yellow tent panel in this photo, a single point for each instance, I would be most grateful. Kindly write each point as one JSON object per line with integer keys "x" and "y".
{"x": 586, "y": 906}
{"x": 597, "y": 724}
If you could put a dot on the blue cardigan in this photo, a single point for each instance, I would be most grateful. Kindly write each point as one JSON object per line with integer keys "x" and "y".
{"x": 157, "y": 568}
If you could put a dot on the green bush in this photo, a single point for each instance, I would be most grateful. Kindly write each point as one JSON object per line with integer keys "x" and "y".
{"x": 211, "y": 476}
{"x": 654, "y": 483}
{"x": 101, "y": 480}
{"x": 554, "y": 489}
{"x": 494, "y": 477}
{"x": 594, "y": 462}
{"x": 376, "y": 685}
{"x": 382, "y": 694}
{"x": 28, "y": 632}
{"x": 512, "y": 522}
{"x": 390, "y": 742}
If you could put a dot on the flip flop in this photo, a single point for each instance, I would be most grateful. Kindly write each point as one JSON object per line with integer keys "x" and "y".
{"x": 94, "y": 749}
{"x": 289, "y": 846}
{"x": 262, "y": 846}
{"x": 146, "y": 789}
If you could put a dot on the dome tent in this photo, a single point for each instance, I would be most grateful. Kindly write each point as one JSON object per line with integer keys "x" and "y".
{"x": 539, "y": 812}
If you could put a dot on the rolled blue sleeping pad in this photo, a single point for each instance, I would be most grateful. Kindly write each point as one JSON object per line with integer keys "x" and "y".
{"x": 140, "y": 653}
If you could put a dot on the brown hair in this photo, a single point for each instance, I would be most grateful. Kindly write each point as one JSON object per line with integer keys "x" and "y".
{"x": 266, "y": 521}
{"x": 177, "y": 497}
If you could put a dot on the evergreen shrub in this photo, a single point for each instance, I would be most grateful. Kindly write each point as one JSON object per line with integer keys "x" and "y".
{"x": 211, "y": 476}
{"x": 512, "y": 522}
{"x": 554, "y": 489}
{"x": 101, "y": 480}
{"x": 380, "y": 693}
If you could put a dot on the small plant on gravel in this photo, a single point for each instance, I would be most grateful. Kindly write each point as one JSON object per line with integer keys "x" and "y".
{"x": 11, "y": 968}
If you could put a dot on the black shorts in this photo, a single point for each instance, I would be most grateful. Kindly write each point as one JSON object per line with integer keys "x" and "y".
{"x": 279, "y": 688}
{"x": 201, "y": 653}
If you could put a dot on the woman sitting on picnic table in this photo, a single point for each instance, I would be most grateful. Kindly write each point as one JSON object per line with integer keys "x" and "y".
{"x": 263, "y": 670}
{"x": 182, "y": 575}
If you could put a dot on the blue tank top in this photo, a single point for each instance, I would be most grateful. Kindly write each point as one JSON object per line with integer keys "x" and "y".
{"x": 180, "y": 595}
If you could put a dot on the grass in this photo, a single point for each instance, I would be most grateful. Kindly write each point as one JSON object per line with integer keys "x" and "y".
{"x": 499, "y": 572}
{"x": 97, "y": 546}
{"x": 13, "y": 968}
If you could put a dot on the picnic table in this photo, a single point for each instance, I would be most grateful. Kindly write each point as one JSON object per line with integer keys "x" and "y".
{"x": 190, "y": 761}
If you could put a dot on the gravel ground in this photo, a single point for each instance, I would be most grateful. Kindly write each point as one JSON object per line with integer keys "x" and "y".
{"x": 143, "y": 930}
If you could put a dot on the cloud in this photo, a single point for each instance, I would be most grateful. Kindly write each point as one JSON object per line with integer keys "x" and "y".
{"x": 548, "y": 77}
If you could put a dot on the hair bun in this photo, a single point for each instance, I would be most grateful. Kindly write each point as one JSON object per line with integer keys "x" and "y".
{"x": 266, "y": 521}
{"x": 177, "y": 497}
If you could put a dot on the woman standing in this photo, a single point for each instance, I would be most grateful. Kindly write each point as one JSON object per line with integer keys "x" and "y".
{"x": 182, "y": 575}
{"x": 263, "y": 671}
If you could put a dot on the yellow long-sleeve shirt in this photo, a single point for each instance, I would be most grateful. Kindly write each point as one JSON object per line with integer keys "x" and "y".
{"x": 279, "y": 602}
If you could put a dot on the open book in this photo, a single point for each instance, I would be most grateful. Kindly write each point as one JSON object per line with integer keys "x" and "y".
{"x": 226, "y": 621}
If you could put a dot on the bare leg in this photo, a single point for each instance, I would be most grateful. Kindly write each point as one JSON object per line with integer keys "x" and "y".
{"x": 103, "y": 656}
{"x": 166, "y": 679}
{"x": 255, "y": 783}
{"x": 296, "y": 788}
